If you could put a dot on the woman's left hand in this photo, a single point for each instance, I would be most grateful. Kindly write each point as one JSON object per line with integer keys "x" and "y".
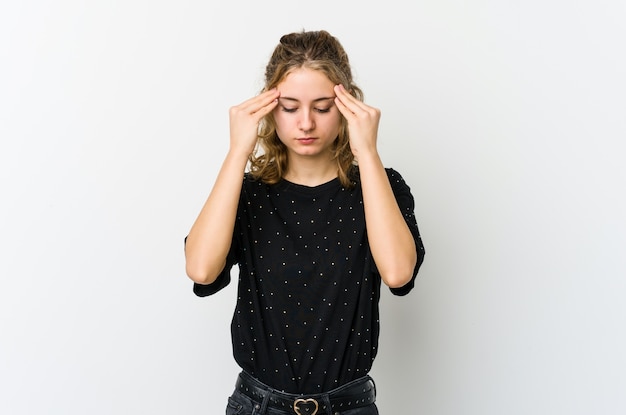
{"x": 362, "y": 121}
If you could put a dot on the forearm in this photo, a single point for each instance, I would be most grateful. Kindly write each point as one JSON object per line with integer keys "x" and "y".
{"x": 210, "y": 237}
{"x": 390, "y": 240}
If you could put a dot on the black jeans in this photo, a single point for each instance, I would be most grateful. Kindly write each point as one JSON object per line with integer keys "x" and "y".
{"x": 242, "y": 402}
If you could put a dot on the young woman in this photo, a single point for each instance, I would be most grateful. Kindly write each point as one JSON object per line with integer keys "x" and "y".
{"x": 315, "y": 222}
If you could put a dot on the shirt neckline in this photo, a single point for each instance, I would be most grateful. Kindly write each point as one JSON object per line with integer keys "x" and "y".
{"x": 286, "y": 185}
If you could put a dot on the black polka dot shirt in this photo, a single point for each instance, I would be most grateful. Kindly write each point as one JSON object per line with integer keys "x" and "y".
{"x": 306, "y": 319}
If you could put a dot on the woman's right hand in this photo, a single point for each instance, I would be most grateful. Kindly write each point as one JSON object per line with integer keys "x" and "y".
{"x": 245, "y": 118}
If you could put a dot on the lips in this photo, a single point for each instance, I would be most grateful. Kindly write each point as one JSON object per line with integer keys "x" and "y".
{"x": 306, "y": 140}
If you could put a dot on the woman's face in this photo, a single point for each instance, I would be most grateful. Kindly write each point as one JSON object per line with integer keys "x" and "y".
{"x": 307, "y": 120}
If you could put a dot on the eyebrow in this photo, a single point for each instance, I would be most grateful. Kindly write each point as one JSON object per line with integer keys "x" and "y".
{"x": 297, "y": 100}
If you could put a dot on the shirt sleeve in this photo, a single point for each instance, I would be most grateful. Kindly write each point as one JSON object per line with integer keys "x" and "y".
{"x": 222, "y": 280}
{"x": 204, "y": 290}
{"x": 406, "y": 202}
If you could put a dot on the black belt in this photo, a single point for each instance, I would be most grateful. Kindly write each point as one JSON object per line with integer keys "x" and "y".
{"x": 355, "y": 394}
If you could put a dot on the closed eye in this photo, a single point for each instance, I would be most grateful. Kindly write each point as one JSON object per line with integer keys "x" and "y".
{"x": 318, "y": 110}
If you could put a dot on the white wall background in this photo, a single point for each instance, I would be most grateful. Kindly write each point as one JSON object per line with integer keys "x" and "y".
{"x": 506, "y": 118}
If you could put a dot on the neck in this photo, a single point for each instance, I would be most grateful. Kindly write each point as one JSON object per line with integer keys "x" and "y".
{"x": 311, "y": 174}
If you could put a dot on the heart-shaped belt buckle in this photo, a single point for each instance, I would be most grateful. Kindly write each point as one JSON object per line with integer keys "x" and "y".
{"x": 307, "y": 403}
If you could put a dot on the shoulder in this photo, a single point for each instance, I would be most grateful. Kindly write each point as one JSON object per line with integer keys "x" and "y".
{"x": 251, "y": 187}
{"x": 394, "y": 176}
{"x": 250, "y": 181}
{"x": 400, "y": 188}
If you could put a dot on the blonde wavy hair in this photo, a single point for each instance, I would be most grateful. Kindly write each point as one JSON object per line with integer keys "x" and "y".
{"x": 320, "y": 51}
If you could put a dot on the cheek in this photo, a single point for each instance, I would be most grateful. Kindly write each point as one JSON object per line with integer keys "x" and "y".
{"x": 283, "y": 126}
{"x": 282, "y": 122}
{"x": 334, "y": 123}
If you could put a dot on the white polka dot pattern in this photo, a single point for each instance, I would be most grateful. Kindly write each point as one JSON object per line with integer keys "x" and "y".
{"x": 306, "y": 318}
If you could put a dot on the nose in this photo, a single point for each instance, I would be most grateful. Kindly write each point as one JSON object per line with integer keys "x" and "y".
{"x": 306, "y": 122}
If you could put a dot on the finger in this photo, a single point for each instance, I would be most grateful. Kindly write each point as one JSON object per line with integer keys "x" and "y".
{"x": 266, "y": 109}
{"x": 253, "y": 104}
{"x": 343, "y": 109}
{"x": 347, "y": 99}
{"x": 264, "y": 99}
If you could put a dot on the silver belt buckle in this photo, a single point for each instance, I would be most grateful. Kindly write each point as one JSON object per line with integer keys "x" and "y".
{"x": 297, "y": 403}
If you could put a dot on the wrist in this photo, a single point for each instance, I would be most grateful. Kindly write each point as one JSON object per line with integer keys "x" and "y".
{"x": 367, "y": 157}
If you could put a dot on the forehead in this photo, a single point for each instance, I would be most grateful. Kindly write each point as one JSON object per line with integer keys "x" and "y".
{"x": 305, "y": 84}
